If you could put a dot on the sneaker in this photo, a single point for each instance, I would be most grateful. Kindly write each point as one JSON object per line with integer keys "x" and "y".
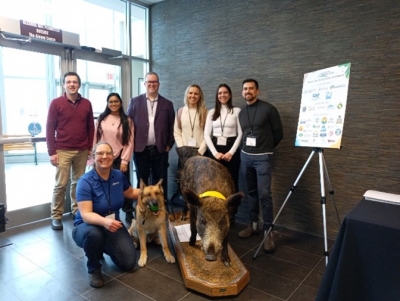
{"x": 96, "y": 279}
{"x": 56, "y": 224}
{"x": 249, "y": 231}
{"x": 269, "y": 244}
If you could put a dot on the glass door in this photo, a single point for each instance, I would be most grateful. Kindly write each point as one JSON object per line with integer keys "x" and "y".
{"x": 29, "y": 80}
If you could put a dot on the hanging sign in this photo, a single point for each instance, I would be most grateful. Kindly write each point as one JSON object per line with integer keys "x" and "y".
{"x": 42, "y": 32}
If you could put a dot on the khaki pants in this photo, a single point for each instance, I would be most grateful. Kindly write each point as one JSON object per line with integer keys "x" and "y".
{"x": 70, "y": 164}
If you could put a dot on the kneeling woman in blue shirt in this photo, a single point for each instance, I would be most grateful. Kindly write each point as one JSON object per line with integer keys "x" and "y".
{"x": 100, "y": 195}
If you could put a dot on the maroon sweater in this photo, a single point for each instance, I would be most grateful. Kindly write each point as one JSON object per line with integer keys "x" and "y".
{"x": 69, "y": 126}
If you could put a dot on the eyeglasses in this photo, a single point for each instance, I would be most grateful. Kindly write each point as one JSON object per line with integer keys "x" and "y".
{"x": 152, "y": 82}
{"x": 101, "y": 154}
{"x": 113, "y": 101}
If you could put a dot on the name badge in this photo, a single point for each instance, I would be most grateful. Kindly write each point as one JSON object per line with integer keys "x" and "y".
{"x": 251, "y": 141}
{"x": 151, "y": 119}
{"x": 192, "y": 142}
{"x": 111, "y": 216}
{"x": 221, "y": 141}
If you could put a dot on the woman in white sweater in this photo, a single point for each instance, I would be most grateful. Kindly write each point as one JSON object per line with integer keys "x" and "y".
{"x": 189, "y": 126}
{"x": 223, "y": 133}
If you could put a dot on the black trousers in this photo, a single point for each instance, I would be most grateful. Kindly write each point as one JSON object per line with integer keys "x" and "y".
{"x": 128, "y": 204}
{"x": 233, "y": 166}
{"x": 151, "y": 165}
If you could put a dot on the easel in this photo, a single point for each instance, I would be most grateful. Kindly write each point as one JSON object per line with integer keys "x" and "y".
{"x": 322, "y": 171}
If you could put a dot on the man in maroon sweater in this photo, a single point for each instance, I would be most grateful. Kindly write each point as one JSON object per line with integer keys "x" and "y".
{"x": 69, "y": 137}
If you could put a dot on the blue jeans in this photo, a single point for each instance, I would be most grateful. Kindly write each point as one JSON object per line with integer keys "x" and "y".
{"x": 257, "y": 170}
{"x": 96, "y": 240}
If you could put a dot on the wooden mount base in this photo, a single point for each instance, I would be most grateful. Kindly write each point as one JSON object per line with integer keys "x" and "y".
{"x": 211, "y": 278}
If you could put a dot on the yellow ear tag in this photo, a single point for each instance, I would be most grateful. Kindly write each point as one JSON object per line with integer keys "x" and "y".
{"x": 212, "y": 193}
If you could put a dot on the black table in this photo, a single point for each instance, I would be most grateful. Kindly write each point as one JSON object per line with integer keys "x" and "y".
{"x": 365, "y": 260}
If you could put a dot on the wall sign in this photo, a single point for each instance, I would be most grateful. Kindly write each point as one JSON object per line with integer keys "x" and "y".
{"x": 34, "y": 128}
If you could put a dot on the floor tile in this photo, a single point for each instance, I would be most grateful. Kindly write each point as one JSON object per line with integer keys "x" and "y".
{"x": 40, "y": 286}
{"x": 43, "y": 263}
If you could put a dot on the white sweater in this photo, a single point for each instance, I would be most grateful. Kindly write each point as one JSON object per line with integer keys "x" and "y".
{"x": 182, "y": 135}
{"x": 230, "y": 127}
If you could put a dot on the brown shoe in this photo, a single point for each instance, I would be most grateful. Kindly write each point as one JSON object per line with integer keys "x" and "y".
{"x": 269, "y": 244}
{"x": 96, "y": 279}
{"x": 249, "y": 231}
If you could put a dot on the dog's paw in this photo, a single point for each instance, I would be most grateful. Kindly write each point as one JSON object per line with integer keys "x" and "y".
{"x": 169, "y": 258}
{"x": 142, "y": 261}
{"x": 157, "y": 241}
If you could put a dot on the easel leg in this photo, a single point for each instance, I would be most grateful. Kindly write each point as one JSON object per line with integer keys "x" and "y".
{"x": 331, "y": 192}
{"x": 284, "y": 203}
{"x": 323, "y": 201}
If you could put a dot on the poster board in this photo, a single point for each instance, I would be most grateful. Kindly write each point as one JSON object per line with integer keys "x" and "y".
{"x": 323, "y": 107}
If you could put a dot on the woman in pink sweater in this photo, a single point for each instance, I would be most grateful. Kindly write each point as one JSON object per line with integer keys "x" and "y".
{"x": 116, "y": 128}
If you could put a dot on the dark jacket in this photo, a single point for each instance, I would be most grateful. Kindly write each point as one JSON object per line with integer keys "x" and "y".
{"x": 163, "y": 122}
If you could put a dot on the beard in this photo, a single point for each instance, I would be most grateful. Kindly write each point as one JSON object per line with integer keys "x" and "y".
{"x": 250, "y": 97}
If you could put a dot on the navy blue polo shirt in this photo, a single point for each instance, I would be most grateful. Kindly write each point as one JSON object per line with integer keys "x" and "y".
{"x": 106, "y": 195}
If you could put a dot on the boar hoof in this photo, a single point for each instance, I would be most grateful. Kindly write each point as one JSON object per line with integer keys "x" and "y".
{"x": 211, "y": 257}
{"x": 227, "y": 264}
{"x": 226, "y": 261}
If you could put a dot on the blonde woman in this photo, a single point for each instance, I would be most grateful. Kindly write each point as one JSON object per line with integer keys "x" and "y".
{"x": 189, "y": 126}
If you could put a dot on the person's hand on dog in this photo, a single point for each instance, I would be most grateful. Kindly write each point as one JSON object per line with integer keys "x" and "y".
{"x": 112, "y": 225}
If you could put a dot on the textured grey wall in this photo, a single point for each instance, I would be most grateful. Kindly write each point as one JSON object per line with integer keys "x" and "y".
{"x": 213, "y": 41}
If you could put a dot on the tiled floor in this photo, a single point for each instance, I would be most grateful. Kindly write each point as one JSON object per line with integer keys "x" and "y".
{"x": 42, "y": 264}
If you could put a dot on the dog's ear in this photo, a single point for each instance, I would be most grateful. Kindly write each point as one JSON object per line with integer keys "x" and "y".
{"x": 159, "y": 184}
{"x": 142, "y": 185}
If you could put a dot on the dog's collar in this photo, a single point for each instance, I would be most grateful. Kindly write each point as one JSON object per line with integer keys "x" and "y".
{"x": 212, "y": 193}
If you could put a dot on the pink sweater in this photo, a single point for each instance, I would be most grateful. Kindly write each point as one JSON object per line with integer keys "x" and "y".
{"x": 113, "y": 135}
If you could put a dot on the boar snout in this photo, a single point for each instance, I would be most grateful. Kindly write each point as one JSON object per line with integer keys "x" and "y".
{"x": 210, "y": 254}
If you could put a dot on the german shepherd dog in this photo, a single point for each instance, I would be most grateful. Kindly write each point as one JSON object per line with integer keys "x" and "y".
{"x": 151, "y": 219}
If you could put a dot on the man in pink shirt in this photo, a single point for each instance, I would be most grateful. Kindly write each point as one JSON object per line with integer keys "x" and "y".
{"x": 69, "y": 137}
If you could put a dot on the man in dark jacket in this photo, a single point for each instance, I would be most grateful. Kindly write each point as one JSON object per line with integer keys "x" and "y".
{"x": 153, "y": 117}
{"x": 262, "y": 132}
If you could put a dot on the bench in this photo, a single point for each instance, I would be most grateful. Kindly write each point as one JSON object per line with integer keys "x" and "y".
{"x": 25, "y": 146}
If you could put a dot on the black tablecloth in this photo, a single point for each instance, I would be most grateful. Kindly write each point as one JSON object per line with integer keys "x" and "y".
{"x": 365, "y": 261}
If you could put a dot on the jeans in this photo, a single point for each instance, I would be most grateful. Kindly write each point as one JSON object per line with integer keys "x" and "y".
{"x": 70, "y": 164}
{"x": 257, "y": 170}
{"x": 96, "y": 240}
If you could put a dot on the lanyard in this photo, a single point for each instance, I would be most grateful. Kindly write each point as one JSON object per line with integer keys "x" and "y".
{"x": 194, "y": 121}
{"x": 223, "y": 125}
{"x": 108, "y": 197}
{"x": 151, "y": 106}
{"x": 254, "y": 116}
